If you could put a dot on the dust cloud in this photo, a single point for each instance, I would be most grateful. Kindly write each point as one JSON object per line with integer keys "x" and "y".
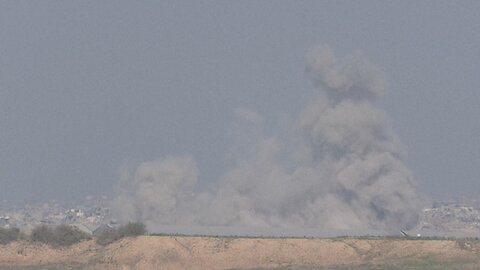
{"x": 336, "y": 165}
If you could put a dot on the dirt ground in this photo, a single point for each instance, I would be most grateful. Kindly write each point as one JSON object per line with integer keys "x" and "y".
{"x": 187, "y": 252}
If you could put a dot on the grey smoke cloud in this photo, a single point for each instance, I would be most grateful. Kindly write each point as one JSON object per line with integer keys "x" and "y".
{"x": 339, "y": 166}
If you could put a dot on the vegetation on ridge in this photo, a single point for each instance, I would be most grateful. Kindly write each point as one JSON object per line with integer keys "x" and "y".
{"x": 130, "y": 229}
{"x": 8, "y": 235}
{"x": 61, "y": 235}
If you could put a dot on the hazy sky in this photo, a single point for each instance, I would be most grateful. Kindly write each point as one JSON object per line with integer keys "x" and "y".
{"x": 87, "y": 87}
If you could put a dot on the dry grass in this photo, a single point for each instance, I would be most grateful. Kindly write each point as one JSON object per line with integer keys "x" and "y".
{"x": 185, "y": 252}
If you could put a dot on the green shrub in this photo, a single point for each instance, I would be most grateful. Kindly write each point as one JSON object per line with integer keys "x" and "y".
{"x": 66, "y": 235}
{"x": 132, "y": 229}
{"x": 42, "y": 234}
{"x": 62, "y": 235}
{"x": 9, "y": 235}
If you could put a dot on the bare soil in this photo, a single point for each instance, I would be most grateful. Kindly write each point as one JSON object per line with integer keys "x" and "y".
{"x": 189, "y": 252}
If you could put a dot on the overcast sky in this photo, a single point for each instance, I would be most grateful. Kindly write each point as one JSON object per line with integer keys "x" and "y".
{"x": 87, "y": 87}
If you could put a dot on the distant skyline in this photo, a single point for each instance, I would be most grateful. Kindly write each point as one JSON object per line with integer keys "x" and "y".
{"x": 89, "y": 88}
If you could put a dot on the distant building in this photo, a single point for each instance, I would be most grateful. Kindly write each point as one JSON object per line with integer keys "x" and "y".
{"x": 4, "y": 221}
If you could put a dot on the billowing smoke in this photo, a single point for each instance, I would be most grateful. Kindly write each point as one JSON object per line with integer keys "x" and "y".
{"x": 337, "y": 165}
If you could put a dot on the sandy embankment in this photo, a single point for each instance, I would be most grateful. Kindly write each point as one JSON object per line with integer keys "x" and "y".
{"x": 169, "y": 252}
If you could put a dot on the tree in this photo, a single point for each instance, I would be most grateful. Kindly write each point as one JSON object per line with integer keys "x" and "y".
{"x": 62, "y": 235}
{"x": 132, "y": 229}
{"x": 9, "y": 235}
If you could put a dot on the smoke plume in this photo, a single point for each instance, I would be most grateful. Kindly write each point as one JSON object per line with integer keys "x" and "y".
{"x": 338, "y": 165}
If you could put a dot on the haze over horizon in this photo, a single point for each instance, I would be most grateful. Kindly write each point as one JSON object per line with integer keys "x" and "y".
{"x": 89, "y": 88}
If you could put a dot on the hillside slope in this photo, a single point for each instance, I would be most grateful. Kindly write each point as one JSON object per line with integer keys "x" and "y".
{"x": 172, "y": 252}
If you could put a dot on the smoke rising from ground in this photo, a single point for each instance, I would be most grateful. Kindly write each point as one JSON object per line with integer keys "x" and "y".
{"x": 338, "y": 165}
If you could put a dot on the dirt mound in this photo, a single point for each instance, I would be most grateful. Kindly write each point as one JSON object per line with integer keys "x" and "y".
{"x": 27, "y": 253}
{"x": 224, "y": 253}
{"x": 171, "y": 252}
